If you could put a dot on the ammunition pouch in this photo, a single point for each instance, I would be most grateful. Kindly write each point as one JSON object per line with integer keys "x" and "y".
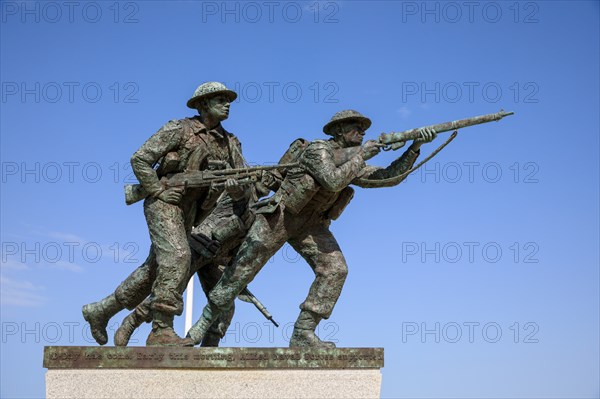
{"x": 228, "y": 228}
{"x": 168, "y": 164}
{"x": 203, "y": 245}
{"x": 298, "y": 189}
{"x": 340, "y": 203}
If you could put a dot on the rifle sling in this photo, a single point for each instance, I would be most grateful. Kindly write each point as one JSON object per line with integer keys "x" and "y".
{"x": 399, "y": 178}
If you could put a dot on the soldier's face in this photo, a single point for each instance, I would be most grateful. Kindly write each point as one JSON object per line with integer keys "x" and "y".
{"x": 218, "y": 107}
{"x": 353, "y": 134}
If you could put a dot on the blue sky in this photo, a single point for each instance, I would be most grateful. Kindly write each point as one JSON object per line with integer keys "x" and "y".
{"x": 479, "y": 275}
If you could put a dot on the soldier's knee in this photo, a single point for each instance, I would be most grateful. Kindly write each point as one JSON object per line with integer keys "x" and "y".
{"x": 336, "y": 268}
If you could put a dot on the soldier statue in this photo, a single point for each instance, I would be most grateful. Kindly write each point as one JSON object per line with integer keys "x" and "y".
{"x": 310, "y": 197}
{"x": 180, "y": 145}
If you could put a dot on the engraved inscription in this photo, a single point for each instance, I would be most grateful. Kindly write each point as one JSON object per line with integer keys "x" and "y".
{"x": 214, "y": 356}
{"x": 178, "y": 356}
{"x": 150, "y": 356}
{"x": 199, "y": 358}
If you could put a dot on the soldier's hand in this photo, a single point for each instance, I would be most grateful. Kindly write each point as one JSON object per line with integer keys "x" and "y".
{"x": 370, "y": 149}
{"x": 234, "y": 189}
{"x": 171, "y": 195}
{"x": 427, "y": 135}
{"x": 267, "y": 178}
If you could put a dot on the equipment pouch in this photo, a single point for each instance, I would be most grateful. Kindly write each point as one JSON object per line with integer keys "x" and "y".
{"x": 168, "y": 164}
{"x": 298, "y": 189}
{"x": 340, "y": 203}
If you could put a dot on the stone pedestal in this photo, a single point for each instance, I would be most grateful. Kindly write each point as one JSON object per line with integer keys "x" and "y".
{"x": 141, "y": 372}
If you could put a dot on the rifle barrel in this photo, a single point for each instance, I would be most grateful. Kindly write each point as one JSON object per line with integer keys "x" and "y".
{"x": 390, "y": 138}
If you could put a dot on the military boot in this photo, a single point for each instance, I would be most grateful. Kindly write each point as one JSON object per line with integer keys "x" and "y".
{"x": 200, "y": 329}
{"x": 304, "y": 332}
{"x": 98, "y": 314}
{"x": 128, "y": 326}
{"x": 162, "y": 333}
{"x": 211, "y": 339}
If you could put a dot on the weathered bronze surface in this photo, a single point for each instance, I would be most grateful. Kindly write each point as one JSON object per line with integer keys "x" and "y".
{"x": 92, "y": 357}
{"x": 203, "y": 212}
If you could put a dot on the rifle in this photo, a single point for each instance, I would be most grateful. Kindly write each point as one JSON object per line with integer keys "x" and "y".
{"x": 394, "y": 141}
{"x": 247, "y": 296}
{"x": 202, "y": 178}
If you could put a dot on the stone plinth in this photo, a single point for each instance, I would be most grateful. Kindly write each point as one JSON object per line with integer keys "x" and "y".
{"x": 141, "y": 372}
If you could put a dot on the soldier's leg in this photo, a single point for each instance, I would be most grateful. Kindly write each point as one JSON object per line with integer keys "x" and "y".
{"x": 322, "y": 252}
{"x": 128, "y": 295}
{"x": 140, "y": 315}
{"x": 209, "y": 275}
{"x": 266, "y": 236}
{"x": 143, "y": 312}
{"x": 169, "y": 240}
{"x": 139, "y": 284}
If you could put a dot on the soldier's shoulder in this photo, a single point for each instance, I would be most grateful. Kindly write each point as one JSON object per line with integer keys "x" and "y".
{"x": 298, "y": 145}
{"x": 172, "y": 130}
{"x": 316, "y": 150}
{"x": 172, "y": 124}
{"x": 194, "y": 122}
{"x": 319, "y": 145}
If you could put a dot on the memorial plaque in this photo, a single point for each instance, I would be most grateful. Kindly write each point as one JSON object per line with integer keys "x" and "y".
{"x": 93, "y": 357}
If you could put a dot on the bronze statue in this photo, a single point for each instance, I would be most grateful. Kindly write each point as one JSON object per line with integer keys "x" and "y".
{"x": 182, "y": 145}
{"x": 198, "y": 209}
{"x": 311, "y": 195}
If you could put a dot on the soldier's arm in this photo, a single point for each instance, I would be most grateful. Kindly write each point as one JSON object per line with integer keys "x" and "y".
{"x": 143, "y": 160}
{"x": 318, "y": 160}
{"x": 369, "y": 176}
{"x": 271, "y": 180}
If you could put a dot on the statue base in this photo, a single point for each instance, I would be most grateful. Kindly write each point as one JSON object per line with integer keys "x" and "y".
{"x": 142, "y": 372}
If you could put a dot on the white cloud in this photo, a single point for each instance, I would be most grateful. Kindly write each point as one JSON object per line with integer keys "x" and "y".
{"x": 67, "y": 237}
{"x": 404, "y": 112}
{"x": 10, "y": 264}
{"x": 68, "y": 266}
{"x": 20, "y": 293}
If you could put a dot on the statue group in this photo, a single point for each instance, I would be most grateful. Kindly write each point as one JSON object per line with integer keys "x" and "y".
{"x": 210, "y": 214}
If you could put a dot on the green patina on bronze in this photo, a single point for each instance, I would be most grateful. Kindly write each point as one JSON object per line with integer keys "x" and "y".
{"x": 211, "y": 219}
{"x": 88, "y": 357}
{"x": 219, "y": 230}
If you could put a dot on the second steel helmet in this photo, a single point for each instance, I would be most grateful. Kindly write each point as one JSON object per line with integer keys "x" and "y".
{"x": 210, "y": 89}
{"x": 348, "y": 115}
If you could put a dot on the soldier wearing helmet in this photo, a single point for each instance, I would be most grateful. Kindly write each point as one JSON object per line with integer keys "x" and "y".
{"x": 179, "y": 146}
{"x": 310, "y": 197}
